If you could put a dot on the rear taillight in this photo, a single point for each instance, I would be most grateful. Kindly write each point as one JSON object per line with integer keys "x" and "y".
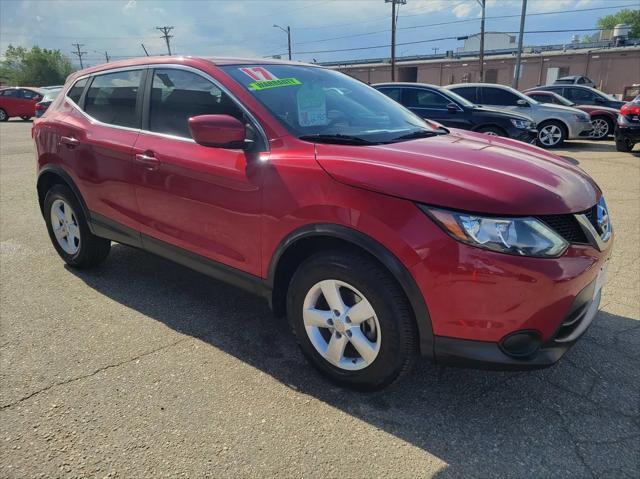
{"x": 630, "y": 109}
{"x": 40, "y": 107}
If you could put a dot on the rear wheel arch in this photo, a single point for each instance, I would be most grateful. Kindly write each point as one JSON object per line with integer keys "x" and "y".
{"x": 308, "y": 240}
{"x": 52, "y": 175}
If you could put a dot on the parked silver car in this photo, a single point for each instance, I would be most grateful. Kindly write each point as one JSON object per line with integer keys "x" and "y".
{"x": 556, "y": 123}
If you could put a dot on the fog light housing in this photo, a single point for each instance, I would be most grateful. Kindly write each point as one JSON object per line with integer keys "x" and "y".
{"x": 521, "y": 344}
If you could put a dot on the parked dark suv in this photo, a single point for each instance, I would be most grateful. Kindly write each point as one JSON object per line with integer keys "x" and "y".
{"x": 582, "y": 95}
{"x": 379, "y": 236}
{"x": 446, "y": 107}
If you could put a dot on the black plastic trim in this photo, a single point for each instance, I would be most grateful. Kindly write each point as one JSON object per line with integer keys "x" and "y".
{"x": 106, "y": 228}
{"x": 59, "y": 171}
{"x": 388, "y": 259}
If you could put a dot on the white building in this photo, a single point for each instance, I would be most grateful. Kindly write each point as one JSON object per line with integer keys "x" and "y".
{"x": 492, "y": 41}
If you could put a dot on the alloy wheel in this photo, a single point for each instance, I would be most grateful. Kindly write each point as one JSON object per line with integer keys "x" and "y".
{"x": 600, "y": 128}
{"x": 3, "y": 115}
{"x": 342, "y": 325}
{"x": 65, "y": 226}
{"x": 491, "y": 133}
{"x": 550, "y": 135}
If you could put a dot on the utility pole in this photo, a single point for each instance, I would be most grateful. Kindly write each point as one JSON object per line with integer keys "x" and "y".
{"x": 288, "y": 32}
{"x": 435, "y": 50}
{"x": 482, "y": 5}
{"x": 516, "y": 75}
{"x": 78, "y": 53}
{"x": 165, "y": 34}
{"x": 106, "y": 55}
{"x": 394, "y": 21}
{"x": 145, "y": 50}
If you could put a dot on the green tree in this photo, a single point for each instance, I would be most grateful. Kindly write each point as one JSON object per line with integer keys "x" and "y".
{"x": 35, "y": 67}
{"x": 630, "y": 17}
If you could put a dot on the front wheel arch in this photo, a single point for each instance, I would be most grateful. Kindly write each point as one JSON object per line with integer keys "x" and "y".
{"x": 311, "y": 239}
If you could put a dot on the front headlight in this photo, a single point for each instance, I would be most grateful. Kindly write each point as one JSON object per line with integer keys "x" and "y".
{"x": 523, "y": 236}
{"x": 521, "y": 123}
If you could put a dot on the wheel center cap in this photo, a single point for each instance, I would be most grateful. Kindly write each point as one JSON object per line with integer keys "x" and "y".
{"x": 340, "y": 325}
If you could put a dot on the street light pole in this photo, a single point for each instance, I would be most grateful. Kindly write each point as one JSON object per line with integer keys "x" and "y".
{"x": 288, "y": 32}
{"x": 516, "y": 76}
{"x": 482, "y": 5}
{"x": 393, "y": 34}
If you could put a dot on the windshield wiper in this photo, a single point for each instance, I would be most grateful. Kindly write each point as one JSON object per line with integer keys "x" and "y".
{"x": 337, "y": 138}
{"x": 419, "y": 134}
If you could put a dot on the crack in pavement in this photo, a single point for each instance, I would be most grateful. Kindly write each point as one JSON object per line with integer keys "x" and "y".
{"x": 99, "y": 370}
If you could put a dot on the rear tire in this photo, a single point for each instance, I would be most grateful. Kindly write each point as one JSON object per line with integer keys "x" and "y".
{"x": 25, "y": 118}
{"x": 602, "y": 128}
{"x": 551, "y": 134}
{"x": 69, "y": 231}
{"x": 492, "y": 130}
{"x": 624, "y": 144}
{"x": 376, "y": 342}
{"x": 3, "y": 115}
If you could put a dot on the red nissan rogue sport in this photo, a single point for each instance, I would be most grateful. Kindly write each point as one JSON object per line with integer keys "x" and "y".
{"x": 380, "y": 236}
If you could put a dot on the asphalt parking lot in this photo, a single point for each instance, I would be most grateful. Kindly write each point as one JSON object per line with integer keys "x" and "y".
{"x": 143, "y": 368}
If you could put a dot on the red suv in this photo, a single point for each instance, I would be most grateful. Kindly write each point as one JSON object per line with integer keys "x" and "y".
{"x": 378, "y": 235}
{"x": 19, "y": 102}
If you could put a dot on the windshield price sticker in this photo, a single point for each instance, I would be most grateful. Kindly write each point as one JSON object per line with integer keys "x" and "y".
{"x": 265, "y": 84}
{"x": 312, "y": 106}
{"x": 258, "y": 73}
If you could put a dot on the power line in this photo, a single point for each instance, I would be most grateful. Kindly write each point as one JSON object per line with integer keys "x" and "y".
{"x": 78, "y": 53}
{"x": 165, "y": 34}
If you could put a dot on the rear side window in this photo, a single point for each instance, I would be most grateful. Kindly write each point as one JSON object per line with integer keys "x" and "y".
{"x": 30, "y": 94}
{"x": 543, "y": 98}
{"x": 497, "y": 96}
{"x": 177, "y": 95}
{"x": 579, "y": 95}
{"x": 415, "y": 98}
{"x": 75, "y": 92}
{"x": 468, "y": 92}
{"x": 111, "y": 98}
{"x": 393, "y": 93}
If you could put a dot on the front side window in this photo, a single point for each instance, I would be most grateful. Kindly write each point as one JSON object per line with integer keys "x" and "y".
{"x": 111, "y": 98}
{"x": 393, "y": 93}
{"x": 12, "y": 92}
{"x": 497, "y": 96}
{"x": 416, "y": 98}
{"x": 325, "y": 105}
{"x": 579, "y": 95}
{"x": 75, "y": 92}
{"x": 178, "y": 95}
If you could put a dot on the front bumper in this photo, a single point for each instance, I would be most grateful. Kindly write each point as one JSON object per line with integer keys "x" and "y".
{"x": 488, "y": 355}
{"x": 579, "y": 129}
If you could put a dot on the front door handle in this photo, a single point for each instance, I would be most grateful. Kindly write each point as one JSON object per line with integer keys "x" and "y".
{"x": 69, "y": 141}
{"x": 151, "y": 163}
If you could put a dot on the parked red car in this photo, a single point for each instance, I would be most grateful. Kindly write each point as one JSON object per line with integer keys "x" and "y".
{"x": 379, "y": 236}
{"x": 603, "y": 118}
{"x": 19, "y": 102}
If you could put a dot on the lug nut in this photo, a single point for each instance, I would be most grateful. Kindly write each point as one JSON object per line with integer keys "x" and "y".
{"x": 336, "y": 312}
{"x": 330, "y": 322}
{"x": 338, "y": 335}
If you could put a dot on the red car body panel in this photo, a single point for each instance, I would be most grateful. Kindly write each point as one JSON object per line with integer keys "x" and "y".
{"x": 593, "y": 110}
{"x": 238, "y": 209}
{"x": 15, "y": 106}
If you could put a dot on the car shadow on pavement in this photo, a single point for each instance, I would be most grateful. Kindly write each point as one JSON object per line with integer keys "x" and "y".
{"x": 577, "y": 419}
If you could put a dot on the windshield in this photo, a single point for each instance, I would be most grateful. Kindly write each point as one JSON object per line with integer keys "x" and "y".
{"x": 562, "y": 100}
{"x": 51, "y": 94}
{"x": 317, "y": 103}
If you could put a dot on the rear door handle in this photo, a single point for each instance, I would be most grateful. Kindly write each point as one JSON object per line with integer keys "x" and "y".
{"x": 149, "y": 162}
{"x": 69, "y": 141}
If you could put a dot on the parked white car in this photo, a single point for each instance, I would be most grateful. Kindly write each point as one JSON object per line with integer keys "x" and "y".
{"x": 556, "y": 123}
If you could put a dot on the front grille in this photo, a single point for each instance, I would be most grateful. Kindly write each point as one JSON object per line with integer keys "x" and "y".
{"x": 566, "y": 226}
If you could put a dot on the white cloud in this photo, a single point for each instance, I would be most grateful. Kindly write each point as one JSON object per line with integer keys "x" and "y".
{"x": 129, "y": 7}
{"x": 462, "y": 10}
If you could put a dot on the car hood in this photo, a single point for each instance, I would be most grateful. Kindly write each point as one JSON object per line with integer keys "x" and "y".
{"x": 465, "y": 171}
{"x": 502, "y": 113}
{"x": 559, "y": 108}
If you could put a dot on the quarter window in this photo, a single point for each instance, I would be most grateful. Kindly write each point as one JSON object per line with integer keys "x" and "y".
{"x": 178, "y": 95}
{"x": 111, "y": 98}
{"x": 425, "y": 99}
{"x": 75, "y": 92}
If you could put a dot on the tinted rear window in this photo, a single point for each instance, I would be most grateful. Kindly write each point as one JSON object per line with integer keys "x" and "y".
{"x": 76, "y": 90}
{"x": 111, "y": 98}
{"x": 468, "y": 92}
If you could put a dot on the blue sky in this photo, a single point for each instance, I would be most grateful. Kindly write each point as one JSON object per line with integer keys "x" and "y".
{"x": 245, "y": 27}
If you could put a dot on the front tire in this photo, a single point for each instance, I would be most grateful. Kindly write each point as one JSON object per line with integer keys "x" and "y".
{"x": 69, "y": 231}
{"x": 491, "y": 130}
{"x": 352, "y": 320}
{"x": 551, "y": 134}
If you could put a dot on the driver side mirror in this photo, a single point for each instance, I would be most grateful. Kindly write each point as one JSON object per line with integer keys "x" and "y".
{"x": 599, "y": 99}
{"x": 522, "y": 102}
{"x": 218, "y": 131}
{"x": 452, "y": 107}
